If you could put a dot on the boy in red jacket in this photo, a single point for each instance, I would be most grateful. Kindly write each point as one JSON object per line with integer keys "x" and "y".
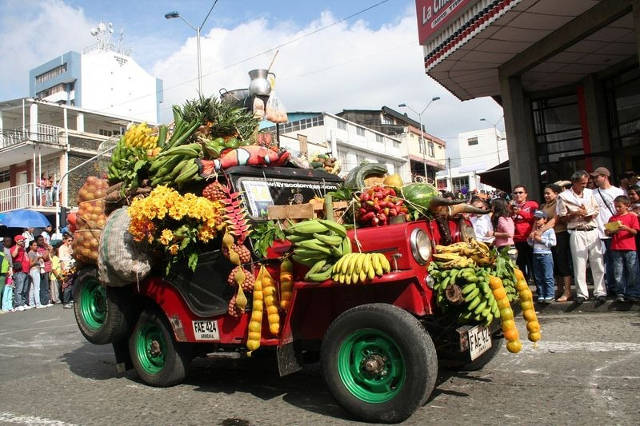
{"x": 623, "y": 250}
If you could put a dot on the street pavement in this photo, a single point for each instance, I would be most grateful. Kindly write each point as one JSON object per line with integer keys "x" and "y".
{"x": 586, "y": 370}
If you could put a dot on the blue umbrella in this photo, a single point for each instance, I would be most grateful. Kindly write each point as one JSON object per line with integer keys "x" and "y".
{"x": 24, "y": 219}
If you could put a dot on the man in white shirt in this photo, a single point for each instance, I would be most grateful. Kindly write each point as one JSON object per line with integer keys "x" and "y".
{"x": 604, "y": 194}
{"x": 46, "y": 234}
{"x": 578, "y": 205}
{"x": 28, "y": 236}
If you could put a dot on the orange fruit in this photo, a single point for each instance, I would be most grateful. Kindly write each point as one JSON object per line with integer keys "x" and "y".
{"x": 510, "y": 334}
{"x": 533, "y": 326}
{"x": 503, "y": 303}
{"x": 528, "y": 305}
{"x": 507, "y": 324}
{"x": 526, "y": 295}
{"x": 506, "y": 314}
{"x": 534, "y": 337}
{"x": 499, "y": 293}
{"x": 529, "y": 315}
{"x": 519, "y": 275}
{"x": 514, "y": 346}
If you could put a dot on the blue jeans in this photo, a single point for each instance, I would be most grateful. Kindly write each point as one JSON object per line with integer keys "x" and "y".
{"x": 608, "y": 266}
{"x": 543, "y": 273}
{"x": 625, "y": 271}
{"x": 34, "y": 290}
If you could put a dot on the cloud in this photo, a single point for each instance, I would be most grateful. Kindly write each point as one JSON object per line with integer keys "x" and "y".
{"x": 33, "y": 32}
{"x": 346, "y": 66}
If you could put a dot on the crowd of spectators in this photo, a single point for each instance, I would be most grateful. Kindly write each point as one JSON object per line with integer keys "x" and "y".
{"x": 47, "y": 190}
{"x": 36, "y": 271}
{"x": 583, "y": 223}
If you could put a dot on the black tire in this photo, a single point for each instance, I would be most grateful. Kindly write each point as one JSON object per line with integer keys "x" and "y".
{"x": 157, "y": 358}
{"x": 103, "y": 314}
{"x": 397, "y": 347}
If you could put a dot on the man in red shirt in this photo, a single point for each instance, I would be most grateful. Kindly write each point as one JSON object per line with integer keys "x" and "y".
{"x": 623, "y": 250}
{"x": 523, "y": 219}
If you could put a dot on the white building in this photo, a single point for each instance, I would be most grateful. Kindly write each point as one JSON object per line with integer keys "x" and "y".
{"x": 473, "y": 153}
{"x": 103, "y": 78}
{"x": 351, "y": 143}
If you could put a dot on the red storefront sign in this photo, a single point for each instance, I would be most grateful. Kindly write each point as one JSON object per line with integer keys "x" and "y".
{"x": 433, "y": 14}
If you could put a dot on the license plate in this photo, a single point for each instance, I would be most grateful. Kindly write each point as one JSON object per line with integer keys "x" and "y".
{"x": 479, "y": 341}
{"x": 206, "y": 330}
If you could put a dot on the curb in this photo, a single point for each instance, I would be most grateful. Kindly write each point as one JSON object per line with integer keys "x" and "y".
{"x": 590, "y": 306}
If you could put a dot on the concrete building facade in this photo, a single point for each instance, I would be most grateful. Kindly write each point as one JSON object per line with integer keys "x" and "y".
{"x": 426, "y": 152}
{"x": 45, "y": 139}
{"x": 565, "y": 72}
{"x": 472, "y": 153}
{"x": 309, "y": 133}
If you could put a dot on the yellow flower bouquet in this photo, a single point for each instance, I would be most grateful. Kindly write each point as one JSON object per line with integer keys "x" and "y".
{"x": 175, "y": 224}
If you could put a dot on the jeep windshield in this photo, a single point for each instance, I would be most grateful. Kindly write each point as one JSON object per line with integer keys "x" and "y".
{"x": 264, "y": 187}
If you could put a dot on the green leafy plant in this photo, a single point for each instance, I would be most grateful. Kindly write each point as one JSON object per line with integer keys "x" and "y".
{"x": 265, "y": 233}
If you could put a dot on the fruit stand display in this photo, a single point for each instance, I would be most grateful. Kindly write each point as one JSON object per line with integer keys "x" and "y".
{"x": 228, "y": 255}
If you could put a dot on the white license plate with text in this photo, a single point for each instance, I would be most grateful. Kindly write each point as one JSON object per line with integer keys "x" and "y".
{"x": 479, "y": 341}
{"x": 206, "y": 330}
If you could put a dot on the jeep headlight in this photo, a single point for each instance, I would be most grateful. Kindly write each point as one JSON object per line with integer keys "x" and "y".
{"x": 420, "y": 246}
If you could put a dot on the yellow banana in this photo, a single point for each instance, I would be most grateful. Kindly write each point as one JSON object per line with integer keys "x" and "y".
{"x": 384, "y": 262}
{"x": 376, "y": 264}
{"x": 368, "y": 266}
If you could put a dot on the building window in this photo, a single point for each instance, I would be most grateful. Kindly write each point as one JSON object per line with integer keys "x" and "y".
{"x": 386, "y": 120}
{"x": 52, "y": 73}
{"x": 472, "y": 141}
{"x": 5, "y": 176}
{"x": 460, "y": 182}
{"x": 359, "y": 131}
{"x": 379, "y": 138}
{"x": 342, "y": 125}
{"x": 430, "y": 146}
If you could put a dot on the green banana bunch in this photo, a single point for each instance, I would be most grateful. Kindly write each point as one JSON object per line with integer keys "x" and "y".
{"x": 478, "y": 305}
{"x": 318, "y": 244}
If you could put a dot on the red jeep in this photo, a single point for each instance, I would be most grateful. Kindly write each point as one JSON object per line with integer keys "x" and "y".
{"x": 379, "y": 344}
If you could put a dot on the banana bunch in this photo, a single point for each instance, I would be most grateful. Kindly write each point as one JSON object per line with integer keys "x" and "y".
{"x": 176, "y": 165}
{"x": 452, "y": 260}
{"x": 318, "y": 244}
{"x": 505, "y": 270}
{"x": 140, "y": 136}
{"x": 354, "y": 268}
{"x": 478, "y": 251}
{"x": 480, "y": 303}
{"x": 477, "y": 303}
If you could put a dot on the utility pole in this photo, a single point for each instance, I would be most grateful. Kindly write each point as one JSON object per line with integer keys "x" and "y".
{"x": 450, "y": 186}
{"x": 423, "y": 145}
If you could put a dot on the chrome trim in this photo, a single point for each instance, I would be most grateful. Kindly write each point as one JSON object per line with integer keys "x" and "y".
{"x": 413, "y": 241}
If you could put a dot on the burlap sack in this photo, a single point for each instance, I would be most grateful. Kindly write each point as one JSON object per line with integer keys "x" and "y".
{"x": 121, "y": 260}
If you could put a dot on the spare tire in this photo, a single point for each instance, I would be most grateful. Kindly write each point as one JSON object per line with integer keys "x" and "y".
{"x": 103, "y": 314}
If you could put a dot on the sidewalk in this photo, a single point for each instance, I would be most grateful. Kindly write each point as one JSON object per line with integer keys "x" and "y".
{"x": 590, "y": 305}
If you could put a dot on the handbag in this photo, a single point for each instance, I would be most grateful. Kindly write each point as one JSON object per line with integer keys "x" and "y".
{"x": 606, "y": 203}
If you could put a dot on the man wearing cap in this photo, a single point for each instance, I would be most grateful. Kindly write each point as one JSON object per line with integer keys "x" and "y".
{"x": 604, "y": 194}
{"x": 580, "y": 208}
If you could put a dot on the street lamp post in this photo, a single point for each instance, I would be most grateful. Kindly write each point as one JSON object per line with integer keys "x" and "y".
{"x": 176, "y": 14}
{"x": 422, "y": 143}
{"x": 495, "y": 130}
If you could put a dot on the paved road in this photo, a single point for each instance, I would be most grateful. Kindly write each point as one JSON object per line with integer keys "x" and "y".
{"x": 586, "y": 370}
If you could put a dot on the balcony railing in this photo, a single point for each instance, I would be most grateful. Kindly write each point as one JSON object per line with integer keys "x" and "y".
{"x": 25, "y": 196}
{"x": 45, "y": 133}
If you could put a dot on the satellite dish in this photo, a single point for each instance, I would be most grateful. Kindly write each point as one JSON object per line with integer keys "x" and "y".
{"x": 94, "y": 32}
{"x": 110, "y": 27}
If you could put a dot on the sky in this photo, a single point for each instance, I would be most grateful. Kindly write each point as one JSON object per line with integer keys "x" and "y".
{"x": 332, "y": 54}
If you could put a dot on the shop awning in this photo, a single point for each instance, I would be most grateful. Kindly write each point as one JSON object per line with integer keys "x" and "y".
{"x": 434, "y": 164}
{"x": 497, "y": 176}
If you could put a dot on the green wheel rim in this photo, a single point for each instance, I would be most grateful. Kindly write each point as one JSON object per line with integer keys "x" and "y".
{"x": 151, "y": 348}
{"x": 93, "y": 303}
{"x": 371, "y": 366}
